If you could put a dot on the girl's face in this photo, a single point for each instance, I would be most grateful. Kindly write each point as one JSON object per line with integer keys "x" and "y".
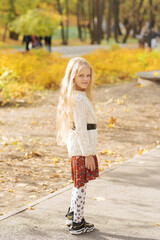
{"x": 83, "y": 78}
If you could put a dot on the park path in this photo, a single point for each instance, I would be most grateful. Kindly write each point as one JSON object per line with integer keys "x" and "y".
{"x": 129, "y": 210}
{"x": 73, "y": 51}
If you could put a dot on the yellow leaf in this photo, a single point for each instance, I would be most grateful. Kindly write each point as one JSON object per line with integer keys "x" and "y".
{"x": 10, "y": 190}
{"x": 31, "y": 208}
{"x": 155, "y": 74}
{"x": 33, "y": 122}
{"x": 125, "y": 96}
{"x": 142, "y": 150}
{"x": 108, "y": 161}
{"x": 34, "y": 140}
{"x": 99, "y": 198}
{"x": 139, "y": 85}
{"x": 4, "y": 212}
{"x": 112, "y": 120}
{"x": 56, "y": 175}
{"x": 127, "y": 109}
{"x": 110, "y": 125}
{"x": 104, "y": 151}
{"x": 119, "y": 101}
{"x": 158, "y": 224}
{"x": 101, "y": 168}
{"x": 109, "y": 152}
{"x": 55, "y": 160}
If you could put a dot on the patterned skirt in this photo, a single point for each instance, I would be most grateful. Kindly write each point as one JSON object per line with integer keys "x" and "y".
{"x": 81, "y": 174}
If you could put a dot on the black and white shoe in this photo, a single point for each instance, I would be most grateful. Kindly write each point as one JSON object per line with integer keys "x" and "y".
{"x": 69, "y": 217}
{"x": 82, "y": 227}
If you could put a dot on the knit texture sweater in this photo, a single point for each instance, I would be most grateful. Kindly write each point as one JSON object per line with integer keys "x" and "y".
{"x": 82, "y": 142}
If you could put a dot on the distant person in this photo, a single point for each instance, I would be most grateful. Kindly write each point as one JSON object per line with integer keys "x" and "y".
{"x": 27, "y": 39}
{"x": 144, "y": 36}
{"x": 34, "y": 41}
{"x": 48, "y": 42}
{"x": 154, "y": 36}
{"x": 39, "y": 42}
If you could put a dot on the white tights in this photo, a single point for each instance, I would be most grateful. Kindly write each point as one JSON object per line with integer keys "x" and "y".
{"x": 77, "y": 202}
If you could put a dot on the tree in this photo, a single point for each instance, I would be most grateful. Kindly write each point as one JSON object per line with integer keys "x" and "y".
{"x": 132, "y": 16}
{"x": 36, "y": 22}
{"x": 109, "y": 18}
{"x": 13, "y": 8}
{"x": 116, "y": 19}
{"x": 96, "y": 11}
{"x": 64, "y": 30}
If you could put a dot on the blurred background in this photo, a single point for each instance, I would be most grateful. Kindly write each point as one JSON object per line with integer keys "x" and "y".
{"x": 75, "y": 22}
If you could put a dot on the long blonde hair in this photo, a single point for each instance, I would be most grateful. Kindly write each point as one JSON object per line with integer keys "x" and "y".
{"x": 65, "y": 105}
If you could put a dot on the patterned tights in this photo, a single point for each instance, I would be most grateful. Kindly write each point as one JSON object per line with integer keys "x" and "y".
{"x": 77, "y": 202}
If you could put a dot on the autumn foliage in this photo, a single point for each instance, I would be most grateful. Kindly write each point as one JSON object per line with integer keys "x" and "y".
{"x": 23, "y": 73}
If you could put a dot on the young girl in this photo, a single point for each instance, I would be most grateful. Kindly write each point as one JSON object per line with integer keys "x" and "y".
{"x": 76, "y": 127}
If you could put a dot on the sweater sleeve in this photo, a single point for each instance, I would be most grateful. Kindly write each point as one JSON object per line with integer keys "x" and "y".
{"x": 80, "y": 120}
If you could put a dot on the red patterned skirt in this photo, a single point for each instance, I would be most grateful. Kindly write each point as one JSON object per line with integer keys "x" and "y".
{"x": 81, "y": 174}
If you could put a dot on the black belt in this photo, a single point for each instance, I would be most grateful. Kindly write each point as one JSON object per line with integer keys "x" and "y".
{"x": 90, "y": 126}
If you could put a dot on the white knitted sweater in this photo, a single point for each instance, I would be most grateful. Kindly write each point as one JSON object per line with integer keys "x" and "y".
{"x": 82, "y": 142}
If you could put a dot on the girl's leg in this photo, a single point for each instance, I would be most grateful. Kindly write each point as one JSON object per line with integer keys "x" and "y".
{"x": 72, "y": 199}
{"x": 78, "y": 203}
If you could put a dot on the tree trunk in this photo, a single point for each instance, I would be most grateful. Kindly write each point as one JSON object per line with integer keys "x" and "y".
{"x": 116, "y": 19}
{"x": 151, "y": 13}
{"x": 127, "y": 33}
{"x": 91, "y": 23}
{"x": 67, "y": 23}
{"x": 96, "y": 22}
{"x": 11, "y": 17}
{"x": 13, "y": 35}
{"x": 100, "y": 19}
{"x": 134, "y": 11}
{"x": 64, "y": 42}
{"x": 79, "y": 20}
{"x": 109, "y": 19}
{"x": 5, "y": 33}
{"x": 83, "y": 21}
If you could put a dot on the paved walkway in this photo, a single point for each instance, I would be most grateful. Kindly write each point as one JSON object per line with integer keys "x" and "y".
{"x": 130, "y": 211}
{"x": 74, "y": 51}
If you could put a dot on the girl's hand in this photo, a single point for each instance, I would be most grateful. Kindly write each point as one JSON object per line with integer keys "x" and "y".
{"x": 90, "y": 163}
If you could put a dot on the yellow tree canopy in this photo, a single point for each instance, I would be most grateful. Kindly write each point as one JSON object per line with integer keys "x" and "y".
{"x": 36, "y": 22}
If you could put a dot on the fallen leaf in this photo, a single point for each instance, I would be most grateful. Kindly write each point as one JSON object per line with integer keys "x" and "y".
{"x": 142, "y": 150}
{"x": 55, "y": 160}
{"x": 99, "y": 198}
{"x": 105, "y": 151}
{"x": 158, "y": 224}
{"x": 112, "y": 120}
{"x": 119, "y": 101}
{"x": 139, "y": 85}
{"x": 155, "y": 74}
{"x": 33, "y": 122}
{"x": 31, "y": 208}
{"x": 125, "y": 96}
{"x": 101, "y": 168}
